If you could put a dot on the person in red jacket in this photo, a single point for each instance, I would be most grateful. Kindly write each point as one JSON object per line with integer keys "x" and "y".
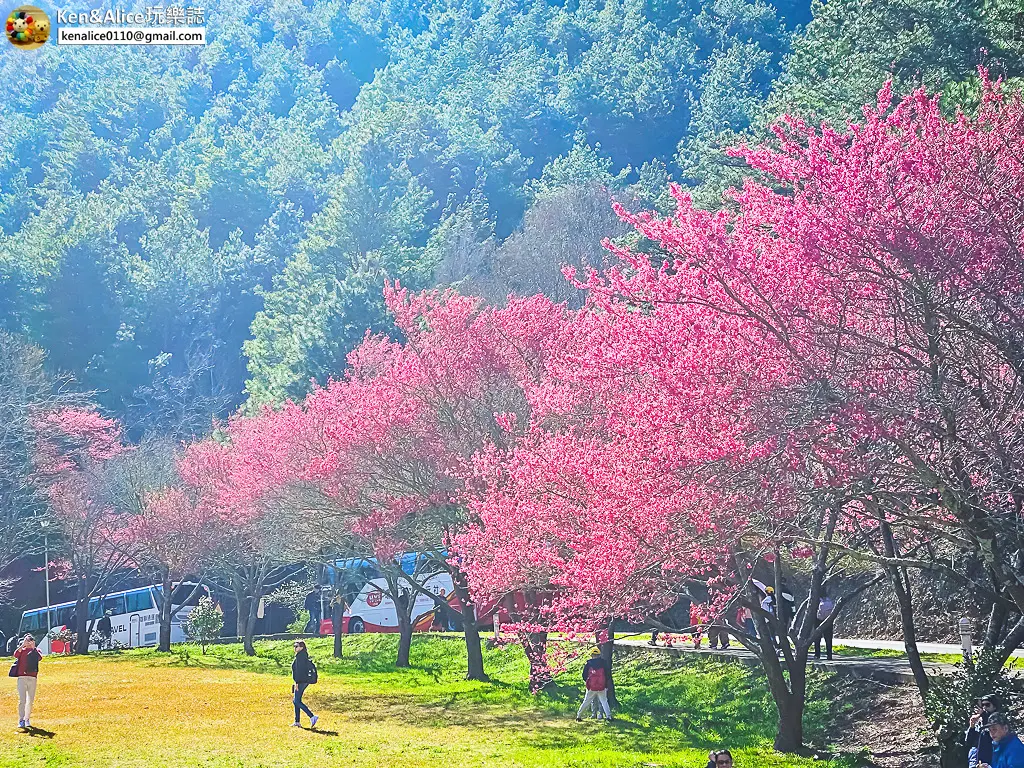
{"x": 26, "y": 669}
{"x": 596, "y": 676}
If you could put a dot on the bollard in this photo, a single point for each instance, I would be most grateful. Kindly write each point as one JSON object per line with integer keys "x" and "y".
{"x": 966, "y": 632}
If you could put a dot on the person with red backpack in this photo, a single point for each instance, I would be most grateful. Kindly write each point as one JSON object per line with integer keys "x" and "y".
{"x": 596, "y": 676}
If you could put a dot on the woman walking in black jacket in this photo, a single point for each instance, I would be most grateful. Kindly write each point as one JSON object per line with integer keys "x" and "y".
{"x": 302, "y": 675}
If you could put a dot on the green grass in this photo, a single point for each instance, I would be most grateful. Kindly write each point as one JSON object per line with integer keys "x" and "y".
{"x": 141, "y": 708}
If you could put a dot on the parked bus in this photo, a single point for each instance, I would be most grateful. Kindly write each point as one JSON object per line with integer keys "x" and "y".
{"x": 371, "y": 609}
{"x": 134, "y": 617}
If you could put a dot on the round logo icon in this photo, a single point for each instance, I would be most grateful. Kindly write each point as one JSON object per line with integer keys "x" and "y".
{"x": 374, "y": 598}
{"x": 27, "y": 27}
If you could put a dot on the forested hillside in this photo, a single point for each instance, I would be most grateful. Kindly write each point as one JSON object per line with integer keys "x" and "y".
{"x": 183, "y": 230}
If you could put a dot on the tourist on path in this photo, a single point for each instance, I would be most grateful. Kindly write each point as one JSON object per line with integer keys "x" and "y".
{"x": 721, "y": 759}
{"x": 978, "y": 739}
{"x": 312, "y": 604}
{"x": 303, "y": 675}
{"x": 825, "y": 607}
{"x": 105, "y": 630}
{"x": 1007, "y": 750}
{"x": 26, "y": 669}
{"x": 596, "y": 676}
{"x": 745, "y": 618}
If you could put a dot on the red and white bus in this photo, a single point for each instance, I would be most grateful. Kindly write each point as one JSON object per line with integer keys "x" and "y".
{"x": 372, "y": 609}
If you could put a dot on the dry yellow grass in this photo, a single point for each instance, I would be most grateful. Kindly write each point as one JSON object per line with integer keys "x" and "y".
{"x": 104, "y": 713}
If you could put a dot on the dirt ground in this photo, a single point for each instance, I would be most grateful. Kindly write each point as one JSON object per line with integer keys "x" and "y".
{"x": 886, "y": 719}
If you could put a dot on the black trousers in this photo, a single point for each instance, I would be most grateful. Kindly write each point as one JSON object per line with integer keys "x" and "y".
{"x": 827, "y": 636}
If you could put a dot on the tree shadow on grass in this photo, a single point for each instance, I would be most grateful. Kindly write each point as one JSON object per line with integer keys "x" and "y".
{"x": 539, "y": 726}
{"x": 665, "y": 705}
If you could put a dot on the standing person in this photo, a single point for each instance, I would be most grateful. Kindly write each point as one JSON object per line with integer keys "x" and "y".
{"x": 770, "y": 606}
{"x": 825, "y": 607}
{"x": 312, "y": 606}
{"x": 1007, "y": 749}
{"x": 26, "y": 669}
{"x": 303, "y": 674}
{"x": 440, "y": 615}
{"x": 786, "y": 607}
{"x": 722, "y": 759}
{"x": 105, "y": 630}
{"x": 745, "y": 618}
{"x": 596, "y": 676}
{"x": 977, "y": 739}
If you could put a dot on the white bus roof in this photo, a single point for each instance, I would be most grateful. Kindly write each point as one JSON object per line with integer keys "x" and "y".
{"x": 106, "y": 595}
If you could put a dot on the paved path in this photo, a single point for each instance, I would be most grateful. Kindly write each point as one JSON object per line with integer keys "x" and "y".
{"x": 897, "y": 645}
{"x": 890, "y": 670}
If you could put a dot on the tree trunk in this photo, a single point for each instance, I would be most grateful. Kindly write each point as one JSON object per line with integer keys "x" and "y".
{"x": 535, "y": 648}
{"x": 404, "y": 644}
{"x": 404, "y": 603}
{"x": 788, "y": 690}
{"x": 337, "y": 616}
{"x": 607, "y": 653}
{"x": 250, "y": 626}
{"x": 790, "y": 736}
{"x": 474, "y": 654}
{"x": 996, "y": 625}
{"x": 165, "y": 614}
{"x": 82, "y": 616}
{"x": 241, "y": 603}
{"x": 1010, "y": 643}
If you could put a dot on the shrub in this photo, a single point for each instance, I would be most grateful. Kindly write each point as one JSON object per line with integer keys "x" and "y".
{"x": 204, "y": 623}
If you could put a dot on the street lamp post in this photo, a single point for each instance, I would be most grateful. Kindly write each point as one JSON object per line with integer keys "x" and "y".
{"x": 45, "y": 525}
{"x": 966, "y": 626}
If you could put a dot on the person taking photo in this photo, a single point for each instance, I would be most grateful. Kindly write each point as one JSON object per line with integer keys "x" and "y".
{"x": 26, "y": 669}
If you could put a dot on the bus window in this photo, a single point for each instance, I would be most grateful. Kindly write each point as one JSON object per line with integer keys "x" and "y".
{"x": 115, "y": 605}
{"x": 187, "y": 594}
{"x": 32, "y": 621}
{"x": 98, "y": 606}
{"x": 65, "y": 616}
{"x": 139, "y": 600}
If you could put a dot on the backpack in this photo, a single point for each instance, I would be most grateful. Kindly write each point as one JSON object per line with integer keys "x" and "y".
{"x": 311, "y": 676}
{"x": 597, "y": 681}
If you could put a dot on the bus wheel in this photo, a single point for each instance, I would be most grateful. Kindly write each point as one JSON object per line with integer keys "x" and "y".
{"x": 356, "y": 627}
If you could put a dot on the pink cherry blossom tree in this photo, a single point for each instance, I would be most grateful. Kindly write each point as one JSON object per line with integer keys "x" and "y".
{"x": 234, "y": 481}
{"x": 830, "y": 362}
{"x": 72, "y": 446}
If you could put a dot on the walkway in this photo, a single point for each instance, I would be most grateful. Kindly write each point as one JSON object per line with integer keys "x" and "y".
{"x": 889, "y": 670}
{"x": 897, "y": 645}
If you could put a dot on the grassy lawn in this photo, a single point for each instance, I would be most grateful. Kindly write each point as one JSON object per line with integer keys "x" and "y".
{"x": 141, "y": 708}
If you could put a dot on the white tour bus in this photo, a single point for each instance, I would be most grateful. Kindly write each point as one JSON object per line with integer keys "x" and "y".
{"x": 134, "y": 617}
{"x": 373, "y": 610}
